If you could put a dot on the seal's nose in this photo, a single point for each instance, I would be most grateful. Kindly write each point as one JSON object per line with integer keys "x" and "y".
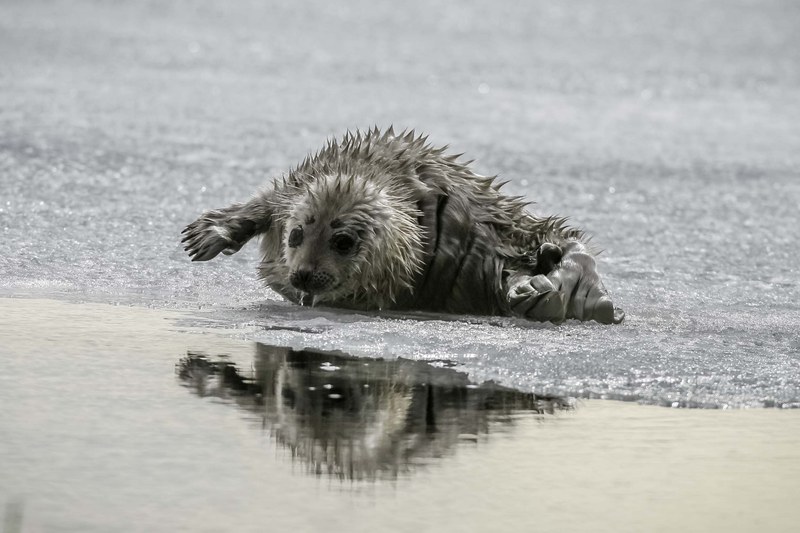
{"x": 301, "y": 279}
{"x": 312, "y": 280}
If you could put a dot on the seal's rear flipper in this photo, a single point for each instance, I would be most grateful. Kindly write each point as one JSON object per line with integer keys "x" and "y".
{"x": 536, "y": 298}
{"x": 585, "y": 295}
{"x": 548, "y": 256}
{"x": 564, "y": 284}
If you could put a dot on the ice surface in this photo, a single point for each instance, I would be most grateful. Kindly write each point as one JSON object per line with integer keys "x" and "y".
{"x": 670, "y": 137}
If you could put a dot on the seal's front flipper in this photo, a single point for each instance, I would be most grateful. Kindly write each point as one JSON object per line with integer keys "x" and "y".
{"x": 225, "y": 230}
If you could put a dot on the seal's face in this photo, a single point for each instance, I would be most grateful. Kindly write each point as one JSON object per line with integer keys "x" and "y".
{"x": 321, "y": 253}
{"x": 328, "y": 237}
{"x": 347, "y": 239}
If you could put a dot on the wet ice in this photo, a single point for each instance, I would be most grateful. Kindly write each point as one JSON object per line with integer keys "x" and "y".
{"x": 675, "y": 145}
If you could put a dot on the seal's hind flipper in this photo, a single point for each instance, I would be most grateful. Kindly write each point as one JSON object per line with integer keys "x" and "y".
{"x": 548, "y": 256}
{"x": 586, "y": 297}
{"x": 536, "y": 298}
{"x": 564, "y": 284}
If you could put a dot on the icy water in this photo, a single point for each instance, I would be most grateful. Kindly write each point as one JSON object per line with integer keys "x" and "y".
{"x": 669, "y": 130}
{"x": 126, "y": 419}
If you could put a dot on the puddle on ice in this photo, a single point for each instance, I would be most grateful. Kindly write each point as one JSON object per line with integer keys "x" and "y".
{"x": 99, "y": 434}
{"x": 361, "y": 418}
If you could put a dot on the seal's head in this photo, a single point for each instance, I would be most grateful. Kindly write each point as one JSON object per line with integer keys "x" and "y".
{"x": 350, "y": 238}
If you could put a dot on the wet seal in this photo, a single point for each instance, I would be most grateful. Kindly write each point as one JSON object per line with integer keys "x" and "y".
{"x": 379, "y": 220}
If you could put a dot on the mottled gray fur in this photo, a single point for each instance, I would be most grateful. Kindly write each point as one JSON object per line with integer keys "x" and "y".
{"x": 385, "y": 221}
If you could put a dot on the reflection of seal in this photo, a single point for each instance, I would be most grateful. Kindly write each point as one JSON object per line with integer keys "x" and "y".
{"x": 385, "y": 221}
{"x": 361, "y": 418}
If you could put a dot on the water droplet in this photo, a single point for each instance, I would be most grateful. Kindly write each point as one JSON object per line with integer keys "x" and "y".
{"x": 483, "y": 88}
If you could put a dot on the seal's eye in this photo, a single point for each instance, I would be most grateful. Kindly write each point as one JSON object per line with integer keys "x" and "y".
{"x": 295, "y": 237}
{"x": 343, "y": 243}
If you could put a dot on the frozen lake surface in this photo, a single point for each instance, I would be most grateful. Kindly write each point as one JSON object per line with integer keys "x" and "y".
{"x": 670, "y": 138}
{"x": 668, "y": 130}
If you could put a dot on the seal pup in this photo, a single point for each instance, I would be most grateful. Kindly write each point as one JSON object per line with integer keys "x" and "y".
{"x": 379, "y": 220}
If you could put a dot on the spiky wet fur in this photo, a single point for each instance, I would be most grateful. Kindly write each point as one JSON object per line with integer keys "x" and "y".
{"x": 406, "y": 196}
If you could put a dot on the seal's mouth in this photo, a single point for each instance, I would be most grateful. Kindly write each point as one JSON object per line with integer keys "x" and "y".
{"x": 311, "y": 298}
